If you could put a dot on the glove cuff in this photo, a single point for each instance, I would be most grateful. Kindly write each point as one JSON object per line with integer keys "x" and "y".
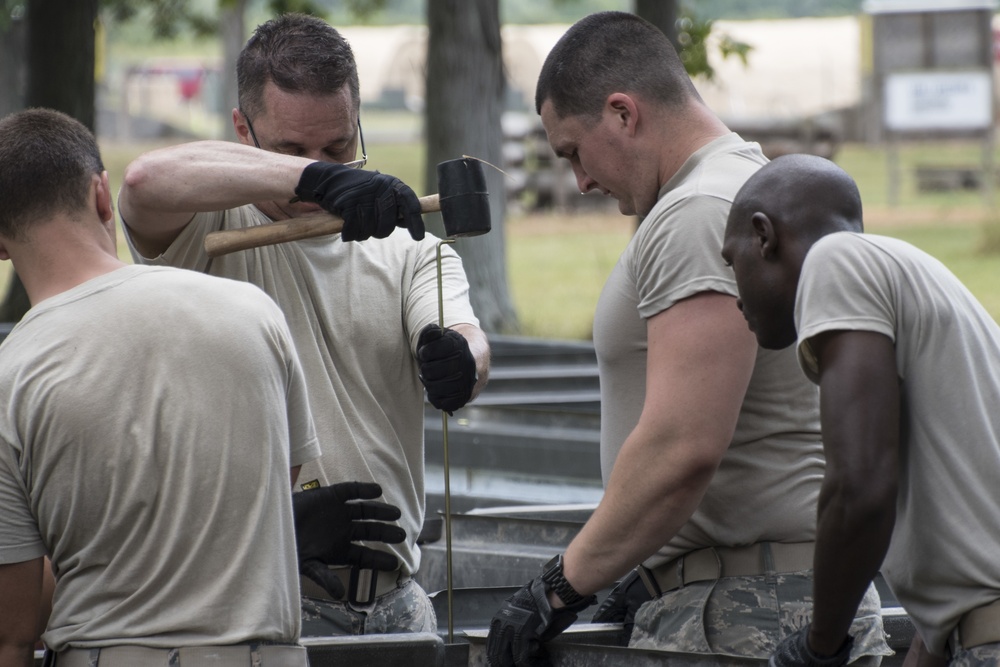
{"x": 313, "y": 176}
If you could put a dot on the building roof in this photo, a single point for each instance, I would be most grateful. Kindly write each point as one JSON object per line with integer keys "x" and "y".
{"x": 915, "y": 6}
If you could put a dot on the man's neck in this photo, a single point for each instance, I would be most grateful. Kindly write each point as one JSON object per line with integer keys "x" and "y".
{"x": 684, "y": 135}
{"x": 61, "y": 257}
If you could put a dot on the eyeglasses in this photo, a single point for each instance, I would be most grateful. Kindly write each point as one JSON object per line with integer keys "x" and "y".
{"x": 353, "y": 164}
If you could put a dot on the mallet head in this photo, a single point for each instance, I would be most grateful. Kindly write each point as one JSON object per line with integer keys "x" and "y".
{"x": 465, "y": 206}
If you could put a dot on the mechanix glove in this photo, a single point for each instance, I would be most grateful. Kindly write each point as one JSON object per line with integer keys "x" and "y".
{"x": 447, "y": 367}
{"x": 524, "y": 623}
{"x": 622, "y": 603}
{"x": 371, "y": 204}
{"x": 328, "y": 521}
{"x": 794, "y": 651}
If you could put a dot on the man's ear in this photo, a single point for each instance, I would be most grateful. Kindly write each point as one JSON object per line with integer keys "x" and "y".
{"x": 241, "y": 128}
{"x": 3, "y": 250}
{"x": 105, "y": 210}
{"x": 764, "y": 236}
{"x": 624, "y": 109}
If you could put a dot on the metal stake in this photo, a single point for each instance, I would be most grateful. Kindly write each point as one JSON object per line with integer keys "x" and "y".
{"x": 447, "y": 468}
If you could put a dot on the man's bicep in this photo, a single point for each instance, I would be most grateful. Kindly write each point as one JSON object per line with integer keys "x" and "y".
{"x": 859, "y": 402}
{"x": 700, "y": 359}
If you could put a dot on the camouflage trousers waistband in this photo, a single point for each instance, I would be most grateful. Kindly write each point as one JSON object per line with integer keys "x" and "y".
{"x": 979, "y": 626}
{"x": 239, "y": 655}
{"x": 361, "y": 586}
{"x": 717, "y": 562}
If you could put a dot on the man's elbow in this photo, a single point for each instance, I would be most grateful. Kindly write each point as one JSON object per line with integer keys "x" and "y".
{"x": 135, "y": 181}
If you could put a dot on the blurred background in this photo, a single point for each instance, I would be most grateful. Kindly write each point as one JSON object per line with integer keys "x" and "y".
{"x": 900, "y": 93}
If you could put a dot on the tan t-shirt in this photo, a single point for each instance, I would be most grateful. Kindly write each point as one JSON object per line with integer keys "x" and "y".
{"x": 767, "y": 485}
{"x": 355, "y": 311}
{"x": 150, "y": 417}
{"x": 944, "y": 558}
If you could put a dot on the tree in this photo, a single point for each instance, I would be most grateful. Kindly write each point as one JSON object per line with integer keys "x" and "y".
{"x": 465, "y": 99}
{"x": 59, "y": 45}
{"x": 662, "y": 14}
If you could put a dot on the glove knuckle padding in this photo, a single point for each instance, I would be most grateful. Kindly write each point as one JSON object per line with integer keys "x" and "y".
{"x": 447, "y": 367}
{"x": 371, "y": 204}
{"x": 524, "y": 623}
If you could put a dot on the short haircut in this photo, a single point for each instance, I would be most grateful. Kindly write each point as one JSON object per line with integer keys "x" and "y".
{"x": 300, "y": 54}
{"x": 610, "y": 52}
{"x": 47, "y": 161}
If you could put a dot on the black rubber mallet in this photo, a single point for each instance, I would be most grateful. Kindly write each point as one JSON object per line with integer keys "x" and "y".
{"x": 462, "y": 200}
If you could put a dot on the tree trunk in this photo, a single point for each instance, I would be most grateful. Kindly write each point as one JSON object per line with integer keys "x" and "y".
{"x": 13, "y": 78}
{"x": 465, "y": 96}
{"x": 60, "y": 46}
{"x": 12, "y": 71}
{"x": 232, "y": 28}
{"x": 61, "y": 41}
{"x": 662, "y": 14}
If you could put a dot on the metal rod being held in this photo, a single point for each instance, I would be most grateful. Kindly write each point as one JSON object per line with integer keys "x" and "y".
{"x": 447, "y": 468}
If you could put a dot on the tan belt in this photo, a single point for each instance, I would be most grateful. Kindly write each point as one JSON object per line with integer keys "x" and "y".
{"x": 240, "y": 655}
{"x": 361, "y": 586}
{"x": 980, "y": 626}
{"x": 717, "y": 562}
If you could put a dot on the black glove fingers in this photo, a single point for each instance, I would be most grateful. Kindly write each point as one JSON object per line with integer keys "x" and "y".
{"x": 499, "y": 645}
{"x": 428, "y": 335}
{"x": 442, "y": 369}
{"x": 365, "y": 557}
{"x": 446, "y": 348}
{"x": 386, "y": 214}
{"x": 346, "y": 491}
{"x": 411, "y": 215}
{"x": 376, "y": 532}
{"x": 373, "y": 510}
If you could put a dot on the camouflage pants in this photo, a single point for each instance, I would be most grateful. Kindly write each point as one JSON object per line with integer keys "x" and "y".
{"x": 406, "y": 609}
{"x": 747, "y": 617}
{"x": 987, "y": 655}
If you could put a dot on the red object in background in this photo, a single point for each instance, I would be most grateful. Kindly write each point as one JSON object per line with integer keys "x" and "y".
{"x": 190, "y": 83}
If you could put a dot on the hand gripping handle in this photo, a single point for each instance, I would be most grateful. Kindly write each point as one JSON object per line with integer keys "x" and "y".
{"x": 305, "y": 227}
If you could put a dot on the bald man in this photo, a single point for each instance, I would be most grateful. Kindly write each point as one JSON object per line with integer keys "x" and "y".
{"x": 906, "y": 360}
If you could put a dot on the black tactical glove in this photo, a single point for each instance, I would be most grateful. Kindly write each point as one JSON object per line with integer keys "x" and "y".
{"x": 524, "y": 623}
{"x": 447, "y": 367}
{"x": 371, "y": 204}
{"x": 327, "y": 522}
{"x": 622, "y": 603}
{"x": 794, "y": 651}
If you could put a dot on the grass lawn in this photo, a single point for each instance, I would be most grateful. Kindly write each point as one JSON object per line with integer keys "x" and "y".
{"x": 557, "y": 264}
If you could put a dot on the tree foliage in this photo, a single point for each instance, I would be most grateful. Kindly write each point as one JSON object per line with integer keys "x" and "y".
{"x": 693, "y": 36}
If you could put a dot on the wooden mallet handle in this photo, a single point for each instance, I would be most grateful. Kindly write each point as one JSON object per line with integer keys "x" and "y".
{"x": 316, "y": 224}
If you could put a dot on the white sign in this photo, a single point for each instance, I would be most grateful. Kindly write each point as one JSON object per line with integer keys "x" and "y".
{"x": 919, "y": 101}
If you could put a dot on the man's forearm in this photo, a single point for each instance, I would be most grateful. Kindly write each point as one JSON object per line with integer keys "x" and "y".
{"x": 651, "y": 494}
{"x": 860, "y": 415}
{"x": 208, "y": 176}
{"x": 17, "y": 654}
{"x": 850, "y": 548}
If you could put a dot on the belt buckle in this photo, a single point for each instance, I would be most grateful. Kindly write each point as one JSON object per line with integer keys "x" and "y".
{"x": 649, "y": 581}
{"x": 363, "y": 587}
